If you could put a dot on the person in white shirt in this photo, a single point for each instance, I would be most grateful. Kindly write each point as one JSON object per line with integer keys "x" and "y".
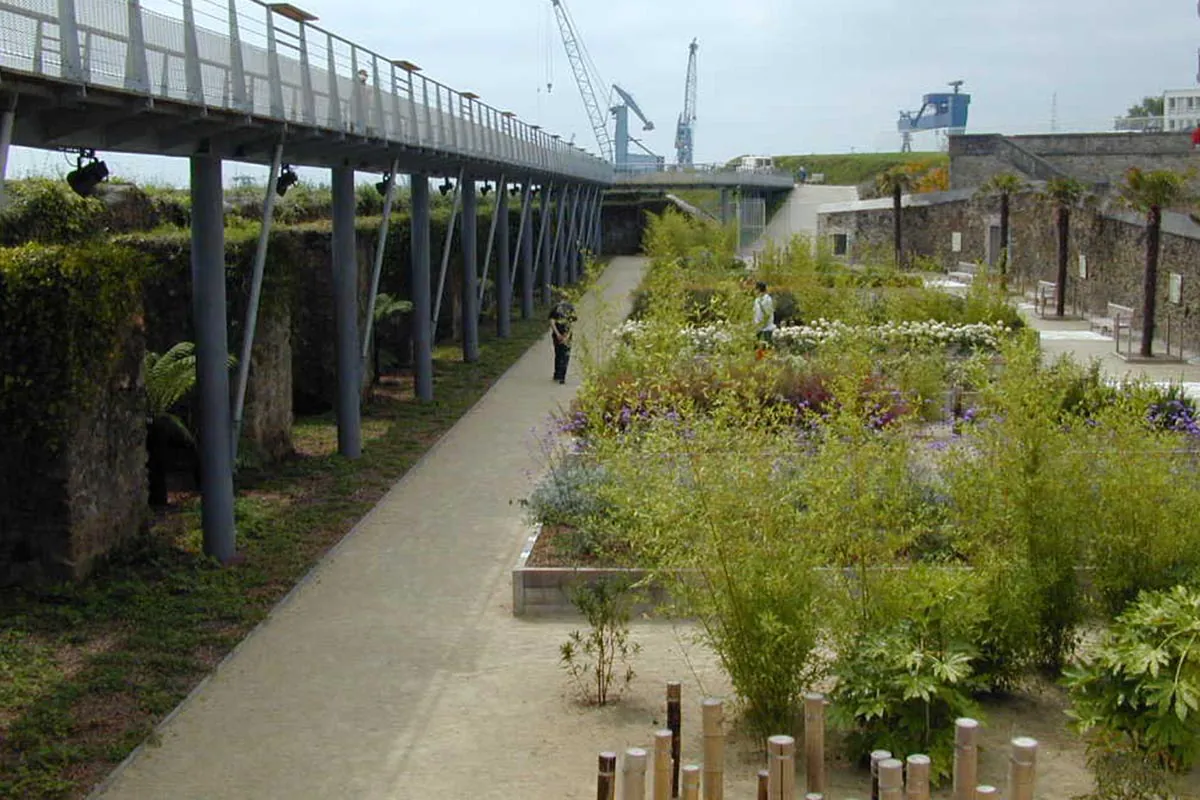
{"x": 764, "y": 313}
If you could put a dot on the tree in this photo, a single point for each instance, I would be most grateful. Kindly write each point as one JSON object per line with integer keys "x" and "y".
{"x": 1003, "y": 185}
{"x": 1063, "y": 193}
{"x": 1149, "y": 107}
{"x": 169, "y": 378}
{"x": 1151, "y": 192}
{"x": 895, "y": 182}
{"x": 386, "y": 307}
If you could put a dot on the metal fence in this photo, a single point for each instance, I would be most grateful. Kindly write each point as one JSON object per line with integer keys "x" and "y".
{"x": 269, "y": 61}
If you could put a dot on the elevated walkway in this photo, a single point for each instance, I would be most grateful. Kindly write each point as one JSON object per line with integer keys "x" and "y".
{"x": 704, "y": 177}
{"x": 113, "y": 75}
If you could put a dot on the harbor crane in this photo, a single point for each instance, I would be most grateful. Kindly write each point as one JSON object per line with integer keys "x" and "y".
{"x": 939, "y": 111}
{"x": 587, "y": 77}
{"x": 685, "y": 130}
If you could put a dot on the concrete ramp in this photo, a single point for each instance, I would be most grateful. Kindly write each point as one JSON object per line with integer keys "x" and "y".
{"x": 798, "y": 216}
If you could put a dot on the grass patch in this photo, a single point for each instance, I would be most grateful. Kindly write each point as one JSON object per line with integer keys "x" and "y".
{"x": 851, "y": 169}
{"x": 87, "y": 670}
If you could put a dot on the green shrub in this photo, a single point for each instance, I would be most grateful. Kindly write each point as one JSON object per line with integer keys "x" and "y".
{"x": 569, "y": 494}
{"x": 47, "y": 211}
{"x": 707, "y": 505}
{"x": 1142, "y": 684}
{"x": 592, "y": 658}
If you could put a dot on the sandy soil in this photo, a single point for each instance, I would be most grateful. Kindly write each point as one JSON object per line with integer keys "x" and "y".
{"x": 550, "y": 748}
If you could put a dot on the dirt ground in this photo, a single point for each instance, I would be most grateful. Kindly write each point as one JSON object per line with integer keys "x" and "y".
{"x": 558, "y": 739}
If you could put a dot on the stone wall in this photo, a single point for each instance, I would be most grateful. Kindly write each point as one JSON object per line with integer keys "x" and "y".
{"x": 1098, "y": 158}
{"x": 64, "y": 507}
{"x": 1112, "y": 242}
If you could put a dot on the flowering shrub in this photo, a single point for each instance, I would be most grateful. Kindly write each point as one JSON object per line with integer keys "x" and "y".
{"x": 805, "y": 338}
{"x": 801, "y": 339}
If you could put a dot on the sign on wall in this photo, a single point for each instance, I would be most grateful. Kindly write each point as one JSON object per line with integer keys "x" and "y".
{"x": 1175, "y": 289}
{"x": 1082, "y": 267}
{"x": 956, "y": 242}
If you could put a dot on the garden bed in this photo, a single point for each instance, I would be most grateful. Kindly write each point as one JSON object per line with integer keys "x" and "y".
{"x": 543, "y": 579}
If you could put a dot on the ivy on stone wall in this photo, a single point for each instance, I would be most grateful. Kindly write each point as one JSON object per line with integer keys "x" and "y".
{"x": 63, "y": 311}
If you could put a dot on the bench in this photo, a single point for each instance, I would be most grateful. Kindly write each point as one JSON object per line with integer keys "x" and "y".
{"x": 965, "y": 273}
{"x": 1116, "y": 317}
{"x": 1045, "y": 297}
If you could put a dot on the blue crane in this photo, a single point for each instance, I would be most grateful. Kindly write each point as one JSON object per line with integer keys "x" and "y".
{"x": 940, "y": 110}
{"x": 625, "y": 160}
{"x": 685, "y": 131}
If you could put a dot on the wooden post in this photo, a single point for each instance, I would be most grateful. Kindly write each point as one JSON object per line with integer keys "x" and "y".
{"x": 1022, "y": 766}
{"x": 781, "y": 766}
{"x": 918, "y": 777}
{"x": 662, "y": 765}
{"x": 984, "y": 792}
{"x": 966, "y": 758}
{"x": 691, "y": 782}
{"x": 675, "y": 723}
{"x": 606, "y": 781}
{"x": 633, "y": 775}
{"x": 764, "y": 785}
{"x": 814, "y": 743}
{"x": 713, "y": 724}
{"x": 876, "y": 757}
{"x": 891, "y": 779}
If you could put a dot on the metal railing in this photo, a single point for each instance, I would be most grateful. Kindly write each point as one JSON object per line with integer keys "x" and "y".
{"x": 270, "y": 61}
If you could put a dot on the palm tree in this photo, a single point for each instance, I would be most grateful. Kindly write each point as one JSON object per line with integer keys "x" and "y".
{"x": 895, "y": 182}
{"x": 1003, "y": 185}
{"x": 1063, "y": 193}
{"x": 1151, "y": 192}
{"x": 169, "y": 378}
{"x": 386, "y": 307}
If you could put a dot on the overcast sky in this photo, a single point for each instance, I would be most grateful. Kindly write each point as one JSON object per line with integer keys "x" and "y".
{"x": 776, "y": 76}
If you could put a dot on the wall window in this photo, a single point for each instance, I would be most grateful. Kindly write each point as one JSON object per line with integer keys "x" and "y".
{"x": 841, "y": 244}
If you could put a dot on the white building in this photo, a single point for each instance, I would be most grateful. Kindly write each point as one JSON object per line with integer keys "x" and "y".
{"x": 1181, "y": 109}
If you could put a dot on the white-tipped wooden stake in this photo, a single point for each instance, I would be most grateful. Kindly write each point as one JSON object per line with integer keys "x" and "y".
{"x": 891, "y": 779}
{"x": 966, "y": 758}
{"x": 662, "y": 765}
{"x": 1022, "y": 768}
{"x": 917, "y": 778}
{"x": 814, "y": 743}
{"x": 606, "y": 779}
{"x": 691, "y": 782}
{"x": 876, "y": 757}
{"x": 633, "y": 775}
{"x": 781, "y": 767}
{"x": 764, "y": 785}
{"x": 713, "y": 725}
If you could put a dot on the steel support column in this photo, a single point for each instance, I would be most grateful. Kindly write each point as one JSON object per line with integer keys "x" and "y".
{"x": 8, "y": 118}
{"x": 212, "y": 358}
{"x": 470, "y": 269}
{"x": 260, "y": 263}
{"x": 559, "y": 251}
{"x": 503, "y": 265}
{"x": 600, "y": 225}
{"x": 525, "y": 251}
{"x": 422, "y": 335}
{"x": 389, "y": 199}
{"x": 573, "y": 240}
{"x": 541, "y": 267}
{"x": 345, "y": 299}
